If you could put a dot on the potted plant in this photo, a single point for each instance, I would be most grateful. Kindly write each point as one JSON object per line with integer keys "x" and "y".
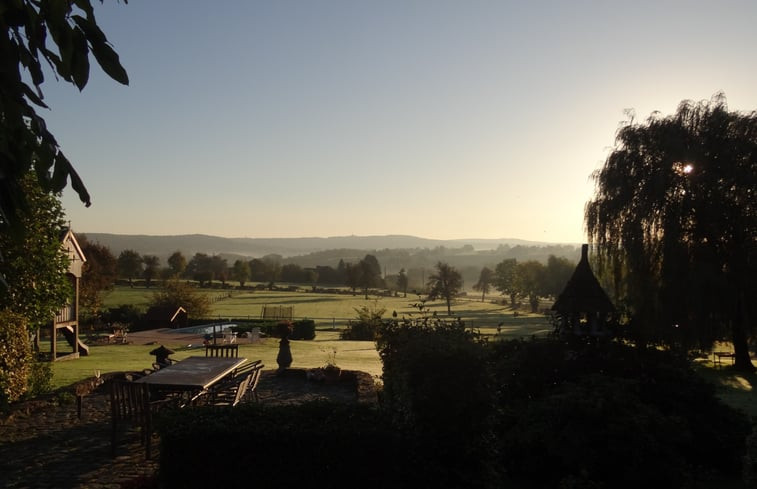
{"x": 331, "y": 371}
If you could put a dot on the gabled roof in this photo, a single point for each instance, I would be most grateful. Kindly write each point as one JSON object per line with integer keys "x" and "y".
{"x": 69, "y": 238}
{"x": 583, "y": 293}
{"x": 164, "y": 313}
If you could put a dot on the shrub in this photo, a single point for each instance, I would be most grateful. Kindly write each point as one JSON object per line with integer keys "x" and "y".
{"x": 15, "y": 357}
{"x": 180, "y": 294}
{"x": 750, "y": 459}
{"x": 609, "y": 414}
{"x": 366, "y": 328}
{"x": 40, "y": 378}
{"x": 438, "y": 389}
{"x": 318, "y": 444}
{"x": 303, "y": 329}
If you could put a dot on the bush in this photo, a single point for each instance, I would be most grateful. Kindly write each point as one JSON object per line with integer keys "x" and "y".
{"x": 15, "y": 357}
{"x": 40, "y": 378}
{"x": 360, "y": 331}
{"x": 303, "y": 329}
{"x": 750, "y": 459}
{"x": 611, "y": 415}
{"x": 319, "y": 444}
{"x": 438, "y": 389}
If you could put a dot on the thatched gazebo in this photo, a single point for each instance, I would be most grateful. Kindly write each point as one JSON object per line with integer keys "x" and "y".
{"x": 583, "y": 308}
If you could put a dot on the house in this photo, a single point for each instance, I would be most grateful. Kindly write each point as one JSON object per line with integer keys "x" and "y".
{"x": 583, "y": 308}
{"x": 166, "y": 317}
{"x": 66, "y": 320}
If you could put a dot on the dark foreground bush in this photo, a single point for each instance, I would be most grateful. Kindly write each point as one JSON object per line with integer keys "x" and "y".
{"x": 323, "y": 445}
{"x": 612, "y": 416}
{"x": 438, "y": 391}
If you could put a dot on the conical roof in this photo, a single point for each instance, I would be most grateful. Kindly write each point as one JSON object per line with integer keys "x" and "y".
{"x": 162, "y": 351}
{"x": 583, "y": 293}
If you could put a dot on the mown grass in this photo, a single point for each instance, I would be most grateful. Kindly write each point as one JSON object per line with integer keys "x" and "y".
{"x": 328, "y": 309}
{"x": 351, "y": 355}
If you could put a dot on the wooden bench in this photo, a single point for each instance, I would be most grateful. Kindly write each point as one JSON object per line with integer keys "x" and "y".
{"x": 718, "y": 356}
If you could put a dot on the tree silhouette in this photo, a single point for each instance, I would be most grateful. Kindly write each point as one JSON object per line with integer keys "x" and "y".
{"x": 445, "y": 283}
{"x": 504, "y": 279}
{"x": 129, "y": 265}
{"x": 674, "y": 219}
{"x": 485, "y": 279}
{"x": 152, "y": 265}
{"x": 60, "y": 35}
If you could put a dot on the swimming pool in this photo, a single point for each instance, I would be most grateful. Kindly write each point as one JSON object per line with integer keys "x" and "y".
{"x": 206, "y": 328}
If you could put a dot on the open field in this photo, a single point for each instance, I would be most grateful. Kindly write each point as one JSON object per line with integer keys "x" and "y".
{"x": 336, "y": 309}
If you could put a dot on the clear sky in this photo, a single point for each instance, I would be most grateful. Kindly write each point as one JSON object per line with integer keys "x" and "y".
{"x": 440, "y": 119}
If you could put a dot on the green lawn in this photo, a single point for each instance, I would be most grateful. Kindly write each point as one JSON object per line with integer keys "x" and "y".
{"x": 352, "y": 355}
{"x": 327, "y": 309}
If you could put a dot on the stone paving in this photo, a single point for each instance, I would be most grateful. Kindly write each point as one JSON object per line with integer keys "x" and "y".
{"x": 43, "y": 444}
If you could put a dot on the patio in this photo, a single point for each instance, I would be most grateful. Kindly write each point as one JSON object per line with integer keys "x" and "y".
{"x": 45, "y": 445}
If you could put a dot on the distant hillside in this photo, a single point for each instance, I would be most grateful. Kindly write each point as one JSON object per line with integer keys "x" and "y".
{"x": 189, "y": 244}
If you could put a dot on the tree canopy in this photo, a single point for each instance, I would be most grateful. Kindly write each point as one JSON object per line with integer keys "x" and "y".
{"x": 445, "y": 283}
{"x": 33, "y": 265}
{"x": 61, "y": 35}
{"x": 674, "y": 220}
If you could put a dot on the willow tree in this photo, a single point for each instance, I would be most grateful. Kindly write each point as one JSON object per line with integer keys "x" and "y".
{"x": 674, "y": 220}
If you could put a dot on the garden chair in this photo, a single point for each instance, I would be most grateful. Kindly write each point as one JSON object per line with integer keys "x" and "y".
{"x": 130, "y": 404}
{"x": 230, "y": 393}
{"x": 222, "y": 350}
{"x": 254, "y": 370}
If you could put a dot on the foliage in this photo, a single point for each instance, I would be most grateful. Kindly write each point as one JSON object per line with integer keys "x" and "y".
{"x": 199, "y": 268}
{"x": 445, "y": 283}
{"x": 556, "y": 276}
{"x": 484, "y": 282}
{"x": 675, "y": 222}
{"x": 32, "y": 30}
{"x": 369, "y": 273}
{"x": 124, "y": 313}
{"x": 303, "y": 329}
{"x": 504, "y": 279}
{"x": 40, "y": 379}
{"x": 177, "y": 263}
{"x": 438, "y": 390}
{"x": 750, "y": 459}
{"x": 529, "y": 282}
{"x": 241, "y": 272}
{"x": 367, "y": 325}
{"x": 177, "y": 294}
{"x": 402, "y": 282}
{"x": 152, "y": 265}
{"x": 609, "y": 413}
{"x": 32, "y": 264}
{"x": 15, "y": 356}
{"x": 319, "y": 444}
{"x": 129, "y": 265}
{"x": 98, "y": 275}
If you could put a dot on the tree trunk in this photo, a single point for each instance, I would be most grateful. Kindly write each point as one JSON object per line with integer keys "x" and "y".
{"x": 740, "y": 341}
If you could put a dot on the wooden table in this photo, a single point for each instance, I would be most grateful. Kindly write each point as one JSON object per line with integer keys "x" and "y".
{"x": 194, "y": 374}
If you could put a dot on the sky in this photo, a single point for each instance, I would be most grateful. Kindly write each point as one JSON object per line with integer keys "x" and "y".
{"x": 439, "y": 119}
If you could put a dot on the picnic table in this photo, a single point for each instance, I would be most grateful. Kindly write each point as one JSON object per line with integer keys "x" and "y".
{"x": 193, "y": 375}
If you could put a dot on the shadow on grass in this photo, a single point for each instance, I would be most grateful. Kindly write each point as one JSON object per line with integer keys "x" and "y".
{"x": 737, "y": 389}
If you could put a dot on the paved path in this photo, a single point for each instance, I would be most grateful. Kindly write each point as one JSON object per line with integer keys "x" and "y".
{"x": 44, "y": 445}
{"x": 49, "y": 447}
